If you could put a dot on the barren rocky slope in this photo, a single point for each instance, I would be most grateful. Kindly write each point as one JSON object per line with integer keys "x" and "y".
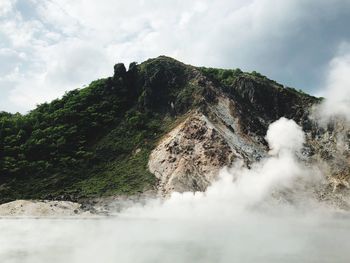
{"x": 231, "y": 123}
{"x": 25, "y": 208}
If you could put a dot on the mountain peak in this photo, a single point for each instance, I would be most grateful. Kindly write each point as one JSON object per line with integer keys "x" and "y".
{"x": 98, "y": 140}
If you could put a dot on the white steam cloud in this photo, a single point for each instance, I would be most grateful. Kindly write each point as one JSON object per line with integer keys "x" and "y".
{"x": 235, "y": 220}
{"x": 337, "y": 91}
{"x": 285, "y": 135}
{"x": 239, "y": 188}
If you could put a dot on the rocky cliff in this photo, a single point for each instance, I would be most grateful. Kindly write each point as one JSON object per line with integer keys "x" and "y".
{"x": 230, "y": 123}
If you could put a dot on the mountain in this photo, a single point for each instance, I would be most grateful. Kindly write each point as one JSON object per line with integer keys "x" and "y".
{"x": 159, "y": 126}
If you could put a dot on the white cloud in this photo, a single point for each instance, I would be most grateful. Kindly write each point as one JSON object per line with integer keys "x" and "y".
{"x": 5, "y": 7}
{"x": 66, "y": 66}
{"x": 337, "y": 90}
{"x": 69, "y": 43}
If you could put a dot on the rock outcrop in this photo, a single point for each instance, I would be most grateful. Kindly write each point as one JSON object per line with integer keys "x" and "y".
{"x": 29, "y": 208}
{"x": 190, "y": 156}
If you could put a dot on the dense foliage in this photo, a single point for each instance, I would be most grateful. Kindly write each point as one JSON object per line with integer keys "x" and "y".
{"x": 224, "y": 76}
{"x": 57, "y": 134}
{"x": 228, "y": 76}
{"x": 85, "y": 143}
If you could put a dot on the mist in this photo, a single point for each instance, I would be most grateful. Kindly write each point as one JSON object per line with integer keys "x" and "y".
{"x": 336, "y": 91}
{"x": 239, "y": 188}
{"x": 252, "y": 237}
{"x": 265, "y": 213}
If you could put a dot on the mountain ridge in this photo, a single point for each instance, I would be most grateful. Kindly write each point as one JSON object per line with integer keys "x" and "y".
{"x": 97, "y": 141}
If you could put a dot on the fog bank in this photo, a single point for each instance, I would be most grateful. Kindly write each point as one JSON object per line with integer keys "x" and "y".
{"x": 266, "y": 213}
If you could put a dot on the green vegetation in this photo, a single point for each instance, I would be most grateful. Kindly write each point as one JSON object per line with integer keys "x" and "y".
{"x": 93, "y": 141}
{"x": 223, "y": 76}
{"x": 227, "y": 77}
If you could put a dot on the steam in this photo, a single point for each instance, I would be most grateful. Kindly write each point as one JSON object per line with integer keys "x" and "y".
{"x": 238, "y": 188}
{"x": 333, "y": 114}
{"x": 285, "y": 135}
{"x": 247, "y": 215}
{"x": 337, "y": 91}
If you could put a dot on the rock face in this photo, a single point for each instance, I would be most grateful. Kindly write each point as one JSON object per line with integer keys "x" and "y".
{"x": 25, "y": 208}
{"x": 189, "y": 157}
{"x": 230, "y": 123}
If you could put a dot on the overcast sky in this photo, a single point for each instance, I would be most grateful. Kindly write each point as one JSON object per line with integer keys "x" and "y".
{"x": 50, "y": 46}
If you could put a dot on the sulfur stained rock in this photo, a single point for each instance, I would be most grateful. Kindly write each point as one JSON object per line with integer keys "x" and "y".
{"x": 190, "y": 156}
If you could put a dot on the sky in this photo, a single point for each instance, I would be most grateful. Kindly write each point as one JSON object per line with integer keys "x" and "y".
{"x": 48, "y": 47}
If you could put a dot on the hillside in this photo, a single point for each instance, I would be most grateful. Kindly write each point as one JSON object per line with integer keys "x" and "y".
{"x": 159, "y": 126}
